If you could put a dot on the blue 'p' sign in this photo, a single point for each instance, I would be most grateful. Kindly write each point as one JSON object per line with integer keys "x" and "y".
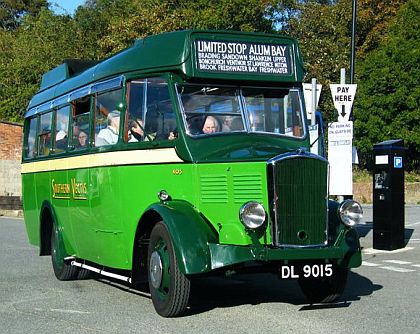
{"x": 398, "y": 162}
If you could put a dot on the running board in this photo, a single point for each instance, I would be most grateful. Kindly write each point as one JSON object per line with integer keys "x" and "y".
{"x": 100, "y": 271}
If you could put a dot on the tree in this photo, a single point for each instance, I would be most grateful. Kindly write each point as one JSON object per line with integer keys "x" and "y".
{"x": 38, "y": 45}
{"x": 142, "y": 18}
{"x": 12, "y": 11}
{"x": 100, "y": 28}
{"x": 323, "y": 29}
{"x": 388, "y": 98}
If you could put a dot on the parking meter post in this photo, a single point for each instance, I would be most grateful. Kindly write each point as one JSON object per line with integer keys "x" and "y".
{"x": 388, "y": 195}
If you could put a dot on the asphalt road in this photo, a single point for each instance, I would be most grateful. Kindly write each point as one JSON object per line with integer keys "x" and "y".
{"x": 382, "y": 296}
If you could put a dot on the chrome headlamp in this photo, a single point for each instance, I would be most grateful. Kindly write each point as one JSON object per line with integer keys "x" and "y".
{"x": 252, "y": 214}
{"x": 350, "y": 212}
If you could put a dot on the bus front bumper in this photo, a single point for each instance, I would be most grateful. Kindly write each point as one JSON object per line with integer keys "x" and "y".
{"x": 345, "y": 252}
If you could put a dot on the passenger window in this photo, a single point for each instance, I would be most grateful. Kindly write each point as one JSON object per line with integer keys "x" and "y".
{"x": 150, "y": 112}
{"x": 81, "y": 111}
{"x": 134, "y": 131}
{"x": 62, "y": 129}
{"x": 107, "y": 117}
{"x": 44, "y": 136}
{"x": 31, "y": 138}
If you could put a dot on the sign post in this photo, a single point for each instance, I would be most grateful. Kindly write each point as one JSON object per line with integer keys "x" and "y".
{"x": 311, "y": 95}
{"x": 343, "y": 98}
{"x": 340, "y": 138}
{"x": 307, "y": 94}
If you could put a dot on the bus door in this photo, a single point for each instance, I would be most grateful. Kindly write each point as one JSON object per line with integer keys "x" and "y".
{"x": 106, "y": 207}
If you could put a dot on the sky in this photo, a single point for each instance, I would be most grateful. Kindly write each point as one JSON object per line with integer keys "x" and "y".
{"x": 67, "y": 6}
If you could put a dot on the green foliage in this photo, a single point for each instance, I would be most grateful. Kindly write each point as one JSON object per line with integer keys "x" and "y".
{"x": 152, "y": 17}
{"x": 323, "y": 29}
{"x": 33, "y": 40}
{"x": 387, "y": 105}
{"x": 38, "y": 45}
{"x": 12, "y": 11}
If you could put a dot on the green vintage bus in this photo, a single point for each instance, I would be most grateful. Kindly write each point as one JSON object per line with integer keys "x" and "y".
{"x": 186, "y": 154}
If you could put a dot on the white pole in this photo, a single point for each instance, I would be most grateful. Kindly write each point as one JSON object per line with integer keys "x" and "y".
{"x": 313, "y": 121}
{"x": 343, "y": 76}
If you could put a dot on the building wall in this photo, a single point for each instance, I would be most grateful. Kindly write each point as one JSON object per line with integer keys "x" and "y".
{"x": 10, "y": 156}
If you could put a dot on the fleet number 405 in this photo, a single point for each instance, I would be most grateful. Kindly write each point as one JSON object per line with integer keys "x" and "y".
{"x": 307, "y": 271}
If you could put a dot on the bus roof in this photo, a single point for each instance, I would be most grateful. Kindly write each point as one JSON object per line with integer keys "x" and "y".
{"x": 191, "y": 53}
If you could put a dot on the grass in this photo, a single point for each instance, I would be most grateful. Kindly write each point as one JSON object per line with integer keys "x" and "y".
{"x": 364, "y": 176}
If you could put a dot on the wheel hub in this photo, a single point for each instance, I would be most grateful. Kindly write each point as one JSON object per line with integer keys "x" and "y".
{"x": 155, "y": 270}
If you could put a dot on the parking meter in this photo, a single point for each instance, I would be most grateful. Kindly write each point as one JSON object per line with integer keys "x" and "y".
{"x": 388, "y": 195}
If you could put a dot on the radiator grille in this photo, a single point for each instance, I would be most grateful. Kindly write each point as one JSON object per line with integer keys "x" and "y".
{"x": 300, "y": 200}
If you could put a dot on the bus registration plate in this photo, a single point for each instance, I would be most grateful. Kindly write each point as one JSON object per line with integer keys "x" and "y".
{"x": 306, "y": 271}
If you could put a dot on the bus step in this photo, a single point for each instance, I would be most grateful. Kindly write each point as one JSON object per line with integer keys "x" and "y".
{"x": 101, "y": 272}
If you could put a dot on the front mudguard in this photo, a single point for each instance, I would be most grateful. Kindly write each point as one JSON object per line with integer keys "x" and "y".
{"x": 346, "y": 238}
{"x": 190, "y": 233}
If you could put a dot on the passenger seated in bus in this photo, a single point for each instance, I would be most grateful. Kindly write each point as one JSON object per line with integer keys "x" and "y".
{"x": 61, "y": 144}
{"x": 237, "y": 124}
{"x": 211, "y": 125}
{"x": 82, "y": 140}
{"x": 109, "y": 135}
{"x": 227, "y": 123}
{"x": 45, "y": 142}
{"x": 136, "y": 131}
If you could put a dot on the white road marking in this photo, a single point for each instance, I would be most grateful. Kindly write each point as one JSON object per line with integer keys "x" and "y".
{"x": 370, "y": 251}
{"x": 400, "y": 270}
{"x": 68, "y": 311}
{"x": 398, "y": 262}
{"x": 416, "y": 265}
{"x": 413, "y": 224}
{"x": 370, "y": 264}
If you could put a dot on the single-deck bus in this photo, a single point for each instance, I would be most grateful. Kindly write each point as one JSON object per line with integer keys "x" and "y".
{"x": 183, "y": 155}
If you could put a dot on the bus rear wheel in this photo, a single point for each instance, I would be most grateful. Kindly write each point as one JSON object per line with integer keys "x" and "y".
{"x": 325, "y": 289}
{"x": 62, "y": 270}
{"x": 169, "y": 288}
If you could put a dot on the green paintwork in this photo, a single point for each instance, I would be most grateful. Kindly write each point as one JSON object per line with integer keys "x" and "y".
{"x": 204, "y": 224}
{"x": 190, "y": 234}
{"x": 219, "y": 174}
{"x": 163, "y": 53}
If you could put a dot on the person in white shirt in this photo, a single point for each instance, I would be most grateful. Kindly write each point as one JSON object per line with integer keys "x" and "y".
{"x": 109, "y": 135}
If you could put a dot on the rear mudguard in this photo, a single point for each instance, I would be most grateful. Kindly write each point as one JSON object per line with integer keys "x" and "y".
{"x": 190, "y": 233}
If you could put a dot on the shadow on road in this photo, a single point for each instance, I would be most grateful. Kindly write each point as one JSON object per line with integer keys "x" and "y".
{"x": 219, "y": 292}
{"x": 358, "y": 286}
{"x": 364, "y": 229}
{"x": 213, "y": 292}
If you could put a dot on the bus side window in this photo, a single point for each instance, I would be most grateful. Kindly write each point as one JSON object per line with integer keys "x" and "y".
{"x": 44, "y": 136}
{"x": 160, "y": 118}
{"x": 30, "y": 147}
{"x": 80, "y": 124}
{"x": 62, "y": 129}
{"x": 107, "y": 116}
{"x": 134, "y": 127}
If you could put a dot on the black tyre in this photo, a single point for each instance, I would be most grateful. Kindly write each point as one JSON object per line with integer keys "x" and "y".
{"x": 84, "y": 274}
{"x": 169, "y": 288}
{"x": 62, "y": 270}
{"x": 325, "y": 289}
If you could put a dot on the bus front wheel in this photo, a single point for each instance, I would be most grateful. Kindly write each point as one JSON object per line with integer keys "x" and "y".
{"x": 169, "y": 288}
{"x": 62, "y": 270}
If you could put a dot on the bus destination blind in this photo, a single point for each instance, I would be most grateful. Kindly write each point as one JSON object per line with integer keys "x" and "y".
{"x": 241, "y": 57}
